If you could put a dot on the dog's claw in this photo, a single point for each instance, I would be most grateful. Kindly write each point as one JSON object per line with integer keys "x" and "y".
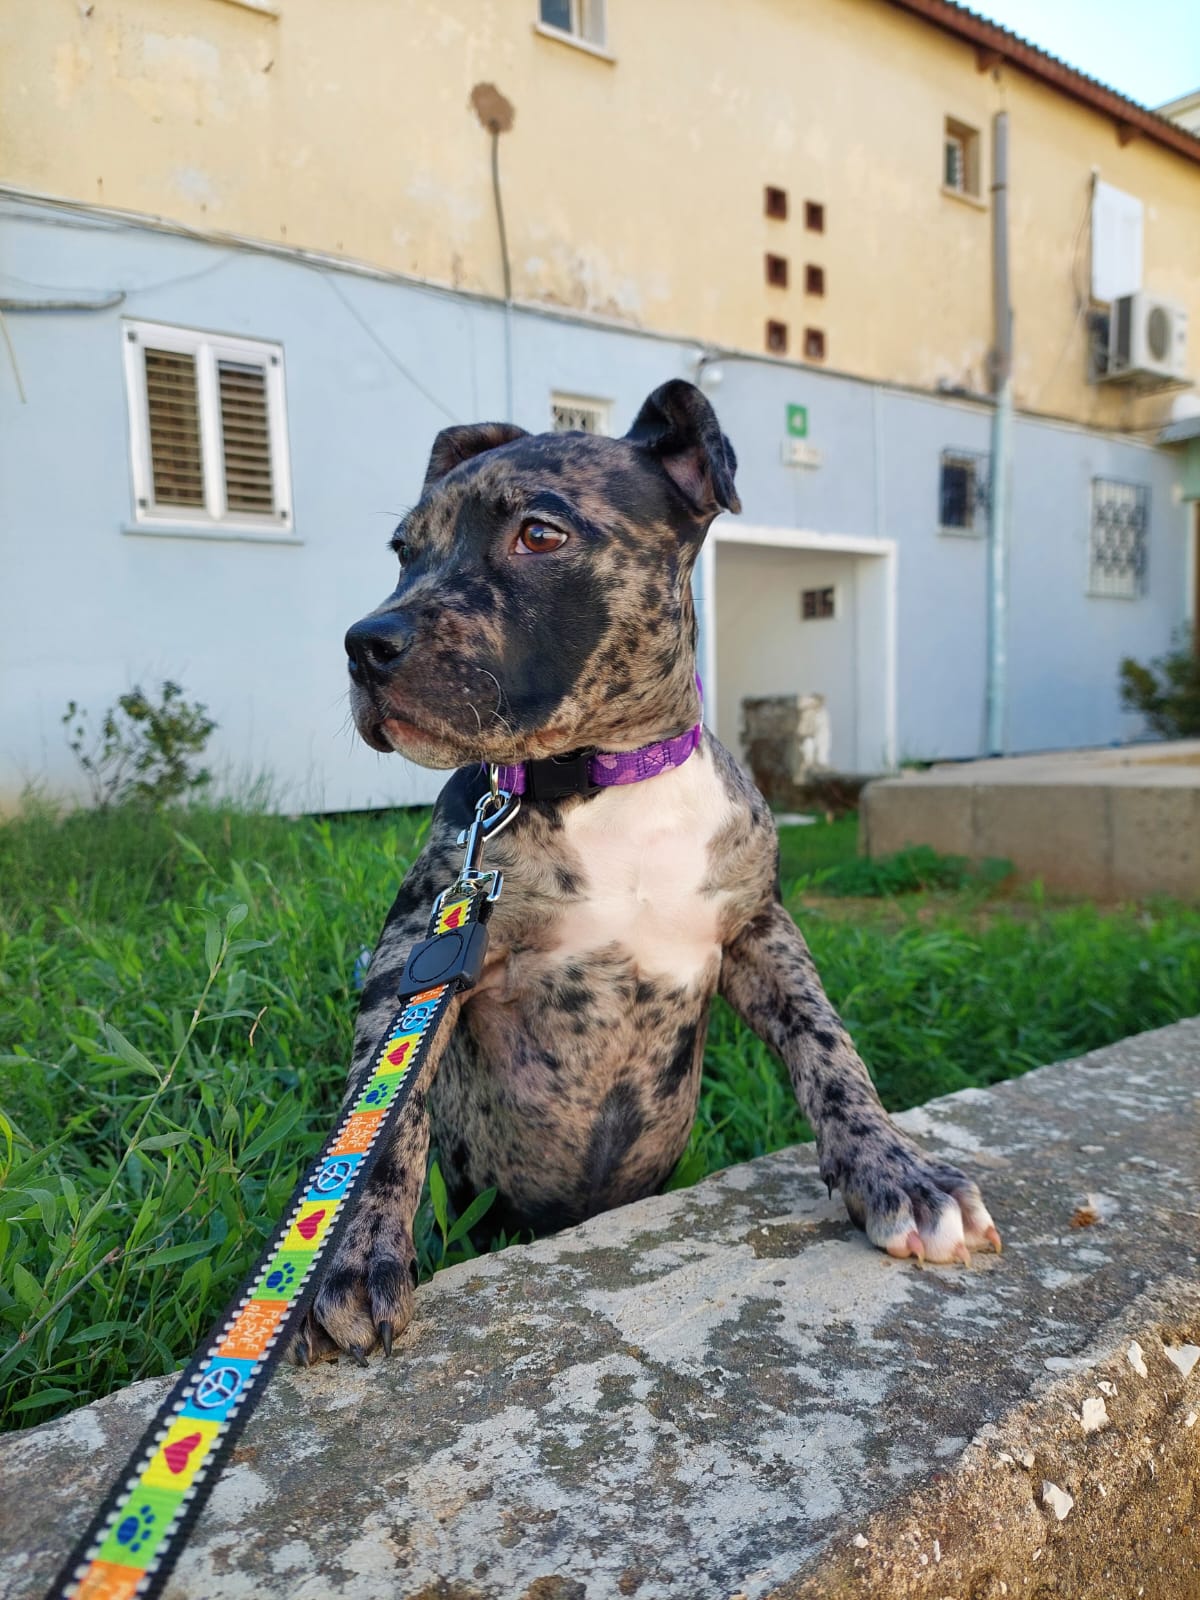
{"x": 961, "y": 1253}
{"x": 992, "y": 1236}
{"x": 386, "y": 1334}
{"x": 912, "y": 1245}
{"x": 359, "y": 1354}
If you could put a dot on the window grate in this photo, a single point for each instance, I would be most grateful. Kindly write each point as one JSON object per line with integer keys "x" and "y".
{"x": 960, "y": 159}
{"x": 246, "y": 437}
{"x": 173, "y": 415}
{"x": 574, "y": 414}
{"x": 1120, "y": 515}
{"x": 963, "y": 492}
{"x": 817, "y": 604}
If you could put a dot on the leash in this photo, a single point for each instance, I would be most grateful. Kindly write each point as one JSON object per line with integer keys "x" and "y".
{"x": 134, "y": 1540}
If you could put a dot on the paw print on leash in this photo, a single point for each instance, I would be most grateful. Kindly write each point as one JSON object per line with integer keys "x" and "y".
{"x": 136, "y": 1529}
{"x": 283, "y": 1278}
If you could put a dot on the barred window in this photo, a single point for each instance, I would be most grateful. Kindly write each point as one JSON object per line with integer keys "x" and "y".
{"x": 573, "y": 413}
{"x": 963, "y": 492}
{"x": 1120, "y": 514}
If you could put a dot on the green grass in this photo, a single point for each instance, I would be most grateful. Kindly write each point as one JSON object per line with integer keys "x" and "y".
{"x": 168, "y": 1062}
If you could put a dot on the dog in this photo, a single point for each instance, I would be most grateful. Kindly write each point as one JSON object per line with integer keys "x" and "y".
{"x": 544, "y": 609}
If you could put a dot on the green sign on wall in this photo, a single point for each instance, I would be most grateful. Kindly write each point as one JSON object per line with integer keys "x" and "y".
{"x": 797, "y": 421}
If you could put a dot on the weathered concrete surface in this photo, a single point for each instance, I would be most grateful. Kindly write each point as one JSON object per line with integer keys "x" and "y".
{"x": 726, "y": 1391}
{"x": 1109, "y": 823}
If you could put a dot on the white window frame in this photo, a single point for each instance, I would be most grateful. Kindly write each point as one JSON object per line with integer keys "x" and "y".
{"x": 588, "y": 29}
{"x": 584, "y": 402}
{"x": 215, "y": 517}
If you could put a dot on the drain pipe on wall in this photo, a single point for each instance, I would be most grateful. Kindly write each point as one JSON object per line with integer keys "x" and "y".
{"x": 999, "y": 521}
{"x": 497, "y": 115}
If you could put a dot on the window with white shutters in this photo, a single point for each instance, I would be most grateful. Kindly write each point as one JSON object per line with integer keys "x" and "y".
{"x": 208, "y": 431}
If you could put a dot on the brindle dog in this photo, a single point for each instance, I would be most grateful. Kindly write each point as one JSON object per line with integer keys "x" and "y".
{"x": 544, "y": 604}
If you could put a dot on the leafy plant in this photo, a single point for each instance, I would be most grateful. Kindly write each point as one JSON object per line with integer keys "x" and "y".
{"x": 164, "y": 1079}
{"x": 1167, "y": 691}
{"x": 144, "y": 750}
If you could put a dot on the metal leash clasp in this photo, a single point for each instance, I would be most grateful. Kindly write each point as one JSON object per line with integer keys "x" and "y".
{"x": 493, "y": 813}
{"x": 453, "y": 954}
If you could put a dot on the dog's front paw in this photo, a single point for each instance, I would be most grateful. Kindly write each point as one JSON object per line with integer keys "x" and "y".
{"x": 366, "y": 1297}
{"x": 908, "y": 1203}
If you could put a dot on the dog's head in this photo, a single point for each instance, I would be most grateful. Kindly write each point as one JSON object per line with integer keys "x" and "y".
{"x": 544, "y": 598}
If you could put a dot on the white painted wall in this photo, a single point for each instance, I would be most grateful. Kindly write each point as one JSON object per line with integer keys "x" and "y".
{"x": 765, "y": 648}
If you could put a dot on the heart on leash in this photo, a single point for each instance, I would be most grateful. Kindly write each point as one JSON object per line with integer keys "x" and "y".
{"x": 307, "y": 1226}
{"x": 178, "y": 1452}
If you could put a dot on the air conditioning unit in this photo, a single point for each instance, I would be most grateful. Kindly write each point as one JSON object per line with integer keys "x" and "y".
{"x": 1147, "y": 338}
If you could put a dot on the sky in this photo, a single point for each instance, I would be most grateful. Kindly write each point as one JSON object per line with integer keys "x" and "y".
{"x": 1146, "y": 49}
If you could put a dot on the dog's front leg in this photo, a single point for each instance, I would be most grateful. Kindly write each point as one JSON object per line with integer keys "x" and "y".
{"x": 366, "y": 1294}
{"x": 908, "y": 1203}
{"x": 366, "y": 1297}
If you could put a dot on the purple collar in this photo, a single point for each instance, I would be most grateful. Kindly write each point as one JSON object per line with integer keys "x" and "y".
{"x": 588, "y": 771}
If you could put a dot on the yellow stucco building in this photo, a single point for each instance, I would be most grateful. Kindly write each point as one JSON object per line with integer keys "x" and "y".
{"x": 634, "y": 176}
{"x": 255, "y": 253}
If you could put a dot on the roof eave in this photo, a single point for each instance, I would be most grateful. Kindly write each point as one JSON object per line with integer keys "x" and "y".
{"x": 994, "y": 44}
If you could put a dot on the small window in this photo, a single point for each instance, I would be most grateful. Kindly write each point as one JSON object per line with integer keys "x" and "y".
{"x": 814, "y": 344}
{"x": 962, "y": 492}
{"x": 777, "y": 272}
{"x": 814, "y": 280}
{"x": 208, "y": 429}
{"x": 960, "y": 158}
{"x": 777, "y": 338}
{"x": 1120, "y": 513}
{"x": 816, "y": 604}
{"x": 582, "y": 19}
{"x": 776, "y": 204}
{"x": 572, "y": 413}
{"x": 814, "y": 216}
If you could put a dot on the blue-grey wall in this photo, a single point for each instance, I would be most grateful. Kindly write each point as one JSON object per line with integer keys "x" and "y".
{"x": 254, "y": 629}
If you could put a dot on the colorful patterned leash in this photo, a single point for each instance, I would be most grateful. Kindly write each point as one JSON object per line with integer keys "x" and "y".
{"x": 135, "y": 1538}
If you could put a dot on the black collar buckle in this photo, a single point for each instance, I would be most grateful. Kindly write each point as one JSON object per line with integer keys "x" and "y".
{"x": 559, "y": 776}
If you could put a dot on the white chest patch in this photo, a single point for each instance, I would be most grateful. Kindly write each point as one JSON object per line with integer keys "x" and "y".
{"x": 645, "y": 853}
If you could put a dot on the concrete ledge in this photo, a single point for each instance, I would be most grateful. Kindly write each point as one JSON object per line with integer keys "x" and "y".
{"x": 1109, "y": 823}
{"x": 726, "y": 1392}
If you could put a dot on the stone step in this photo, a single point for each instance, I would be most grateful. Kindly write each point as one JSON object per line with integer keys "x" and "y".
{"x": 725, "y": 1391}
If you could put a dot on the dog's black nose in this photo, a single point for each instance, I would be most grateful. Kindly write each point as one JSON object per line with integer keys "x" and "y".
{"x": 375, "y": 644}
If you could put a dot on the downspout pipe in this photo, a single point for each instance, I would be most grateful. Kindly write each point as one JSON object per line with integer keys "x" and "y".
{"x": 507, "y": 266}
{"x": 497, "y": 114}
{"x": 1000, "y": 518}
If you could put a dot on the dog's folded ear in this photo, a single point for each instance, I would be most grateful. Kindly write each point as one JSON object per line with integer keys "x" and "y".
{"x": 455, "y": 445}
{"x": 678, "y": 426}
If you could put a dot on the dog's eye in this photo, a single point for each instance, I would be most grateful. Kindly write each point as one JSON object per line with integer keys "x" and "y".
{"x": 537, "y": 538}
{"x": 403, "y": 552}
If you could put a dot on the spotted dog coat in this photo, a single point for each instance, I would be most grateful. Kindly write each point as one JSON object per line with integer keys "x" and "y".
{"x": 544, "y": 605}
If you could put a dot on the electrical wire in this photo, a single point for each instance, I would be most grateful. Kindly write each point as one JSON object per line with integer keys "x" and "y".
{"x": 385, "y": 349}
